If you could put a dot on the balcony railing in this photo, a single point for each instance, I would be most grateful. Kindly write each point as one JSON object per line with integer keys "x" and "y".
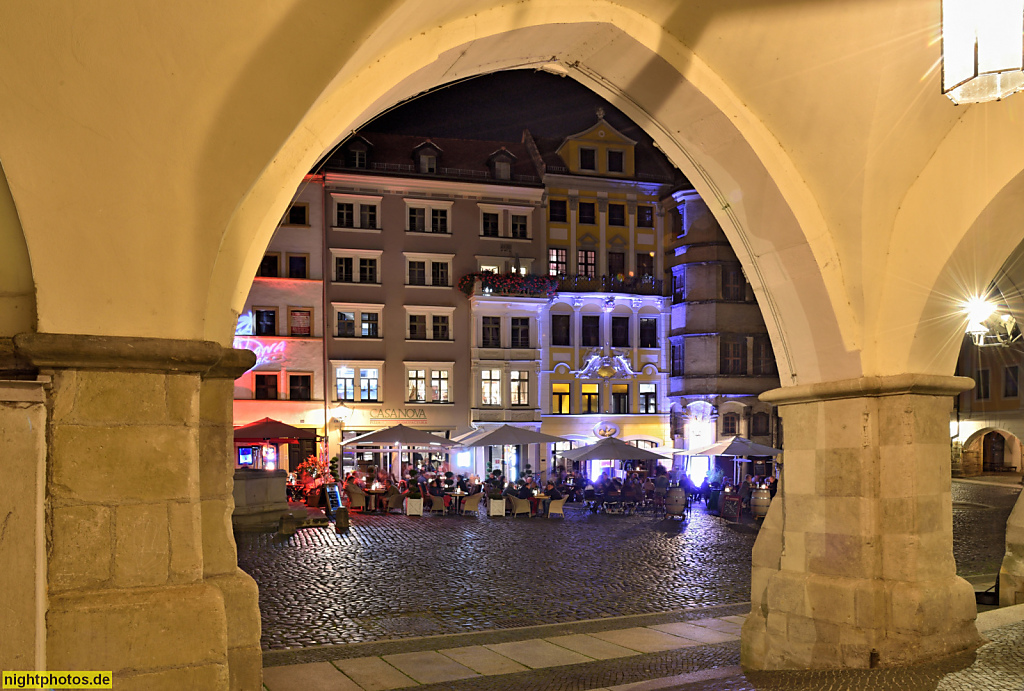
{"x": 531, "y": 285}
{"x": 635, "y": 285}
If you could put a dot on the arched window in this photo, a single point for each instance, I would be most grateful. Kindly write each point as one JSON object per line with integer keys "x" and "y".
{"x": 730, "y": 424}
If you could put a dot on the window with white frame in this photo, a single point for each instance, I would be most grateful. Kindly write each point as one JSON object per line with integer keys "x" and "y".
{"x": 520, "y": 332}
{"x": 505, "y": 221}
{"x": 490, "y": 387}
{"x": 357, "y": 320}
{"x": 439, "y": 386}
{"x": 356, "y": 212}
{"x": 520, "y": 387}
{"x": 428, "y": 382}
{"x": 357, "y": 380}
{"x": 345, "y": 380}
{"x": 428, "y": 269}
{"x": 356, "y": 266}
{"x": 429, "y": 323}
{"x": 428, "y": 216}
{"x": 504, "y": 265}
{"x": 416, "y": 385}
{"x": 648, "y": 398}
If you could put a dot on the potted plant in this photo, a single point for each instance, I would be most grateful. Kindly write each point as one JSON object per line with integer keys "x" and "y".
{"x": 495, "y": 502}
{"x": 414, "y": 501}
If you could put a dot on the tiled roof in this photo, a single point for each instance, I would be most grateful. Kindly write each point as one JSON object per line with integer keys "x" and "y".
{"x": 457, "y": 158}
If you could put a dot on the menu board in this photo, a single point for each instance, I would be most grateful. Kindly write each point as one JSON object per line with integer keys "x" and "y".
{"x": 334, "y": 497}
{"x": 731, "y": 508}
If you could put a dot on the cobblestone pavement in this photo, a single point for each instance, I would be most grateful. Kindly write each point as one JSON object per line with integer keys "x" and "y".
{"x": 979, "y": 525}
{"x": 997, "y": 666}
{"x": 400, "y": 577}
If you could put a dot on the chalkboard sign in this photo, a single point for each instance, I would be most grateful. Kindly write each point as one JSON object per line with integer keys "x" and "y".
{"x": 731, "y": 508}
{"x": 334, "y": 497}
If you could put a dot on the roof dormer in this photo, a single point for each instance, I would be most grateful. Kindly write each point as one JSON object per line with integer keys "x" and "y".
{"x": 500, "y": 163}
{"x": 599, "y": 150}
{"x": 426, "y": 157}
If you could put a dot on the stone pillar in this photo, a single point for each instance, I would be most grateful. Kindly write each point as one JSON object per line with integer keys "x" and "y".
{"x": 854, "y": 565}
{"x": 22, "y": 522}
{"x": 220, "y": 557}
{"x": 1011, "y": 573}
{"x": 124, "y": 558}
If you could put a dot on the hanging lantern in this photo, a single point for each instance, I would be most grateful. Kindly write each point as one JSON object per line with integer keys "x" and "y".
{"x": 982, "y": 49}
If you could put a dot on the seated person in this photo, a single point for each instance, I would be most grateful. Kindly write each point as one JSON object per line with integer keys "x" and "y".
{"x": 461, "y": 484}
{"x": 524, "y": 491}
{"x": 552, "y": 493}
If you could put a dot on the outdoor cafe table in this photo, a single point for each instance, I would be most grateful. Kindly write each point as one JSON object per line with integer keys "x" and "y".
{"x": 535, "y": 503}
{"x": 378, "y": 495}
{"x": 457, "y": 497}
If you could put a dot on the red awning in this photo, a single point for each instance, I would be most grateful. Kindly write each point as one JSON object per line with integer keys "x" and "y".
{"x": 273, "y": 431}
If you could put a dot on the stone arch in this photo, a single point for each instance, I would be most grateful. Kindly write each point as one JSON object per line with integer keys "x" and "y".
{"x": 753, "y": 188}
{"x": 978, "y": 450}
{"x": 979, "y": 225}
{"x": 17, "y": 288}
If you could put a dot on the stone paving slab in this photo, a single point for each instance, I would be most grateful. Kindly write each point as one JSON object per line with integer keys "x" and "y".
{"x": 482, "y": 660}
{"x": 719, "y": 625}
{"x": 591, "y": 646}
{"x": 536, "y": 654}
{"x": 312, "y": 676}
{"x": 645, "y": 640}
{"x": 695, "y": 633}
{"x": 373, "y": 674}
{"x": 429, "y": 667}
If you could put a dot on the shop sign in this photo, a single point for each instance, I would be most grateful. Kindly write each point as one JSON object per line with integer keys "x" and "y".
{"x": 398, "y": 414}
{"x": 265, "y": 352}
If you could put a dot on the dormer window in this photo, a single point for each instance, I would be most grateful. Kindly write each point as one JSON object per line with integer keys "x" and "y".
{"x": 615, "y": 161}
{"x": 502, "y": 170}
{"x": 356, "y": 153}
{"x": 428, "y": 163}
{"x": 588, "y": 159}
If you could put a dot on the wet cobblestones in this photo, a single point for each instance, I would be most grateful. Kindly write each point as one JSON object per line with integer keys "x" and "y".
{"x": 398, "y": 576}
{"x": 395, "y": 577}
{"x": 979, "y": 526}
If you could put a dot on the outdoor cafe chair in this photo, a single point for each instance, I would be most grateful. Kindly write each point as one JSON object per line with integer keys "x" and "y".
{"x": 356, "y": 499}
{"x": 472, "y": 503}
{"x": 396, "y": 501}
{"x": 557, "y": 506}
{"x": 437, "y": 504}
{"x": 520, "y": 506}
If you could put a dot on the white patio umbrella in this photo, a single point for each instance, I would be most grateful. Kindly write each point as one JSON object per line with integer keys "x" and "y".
{"x": 507, "y": 435}
{"x": 612, "y": 449}
{"x": 402, "y": 439}
{"x": 734, "y": 446}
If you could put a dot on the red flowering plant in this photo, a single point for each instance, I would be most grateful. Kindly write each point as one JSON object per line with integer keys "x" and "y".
{"x": 510, "y": 284}
{"x": 317, "y": 467}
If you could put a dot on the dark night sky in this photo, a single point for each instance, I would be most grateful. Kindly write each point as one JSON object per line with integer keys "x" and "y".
{"x": 499, "y": 106}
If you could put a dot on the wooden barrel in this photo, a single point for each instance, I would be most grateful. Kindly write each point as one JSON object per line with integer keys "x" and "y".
{"x": 759, "y": 501}
{"x": 675, "y": 501}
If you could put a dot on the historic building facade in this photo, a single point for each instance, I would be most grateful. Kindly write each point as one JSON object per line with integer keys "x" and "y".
{"x": 283, "y": 323}
{"x": 721, "y": 356}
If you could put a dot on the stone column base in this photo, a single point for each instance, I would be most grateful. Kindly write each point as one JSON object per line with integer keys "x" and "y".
{"x": 854, "y": 565}
{"x": 1011, "y": 573}
{"x": 241, "y": 605}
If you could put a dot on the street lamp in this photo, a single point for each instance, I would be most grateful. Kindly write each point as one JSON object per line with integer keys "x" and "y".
{"x": 987, "y": 325}
{"x": 982, "y": 49}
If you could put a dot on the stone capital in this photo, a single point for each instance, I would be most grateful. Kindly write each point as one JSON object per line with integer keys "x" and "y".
{"x": 869, "y": 387}
{"x": 79, "y": 351}
{"x": 234, "y": 362}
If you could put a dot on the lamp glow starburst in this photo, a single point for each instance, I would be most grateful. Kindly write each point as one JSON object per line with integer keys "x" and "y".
{"x": 982, "y": 49}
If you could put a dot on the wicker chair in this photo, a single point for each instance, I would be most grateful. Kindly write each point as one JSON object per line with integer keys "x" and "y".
{"x": 557, "y": 506}
{"x": 356, "y": 499}
{"x": 520, "y": 506}
{"x": 472, "y": 503}
{"x": 396, "y": 501}
{"x": 437, "y": 504}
